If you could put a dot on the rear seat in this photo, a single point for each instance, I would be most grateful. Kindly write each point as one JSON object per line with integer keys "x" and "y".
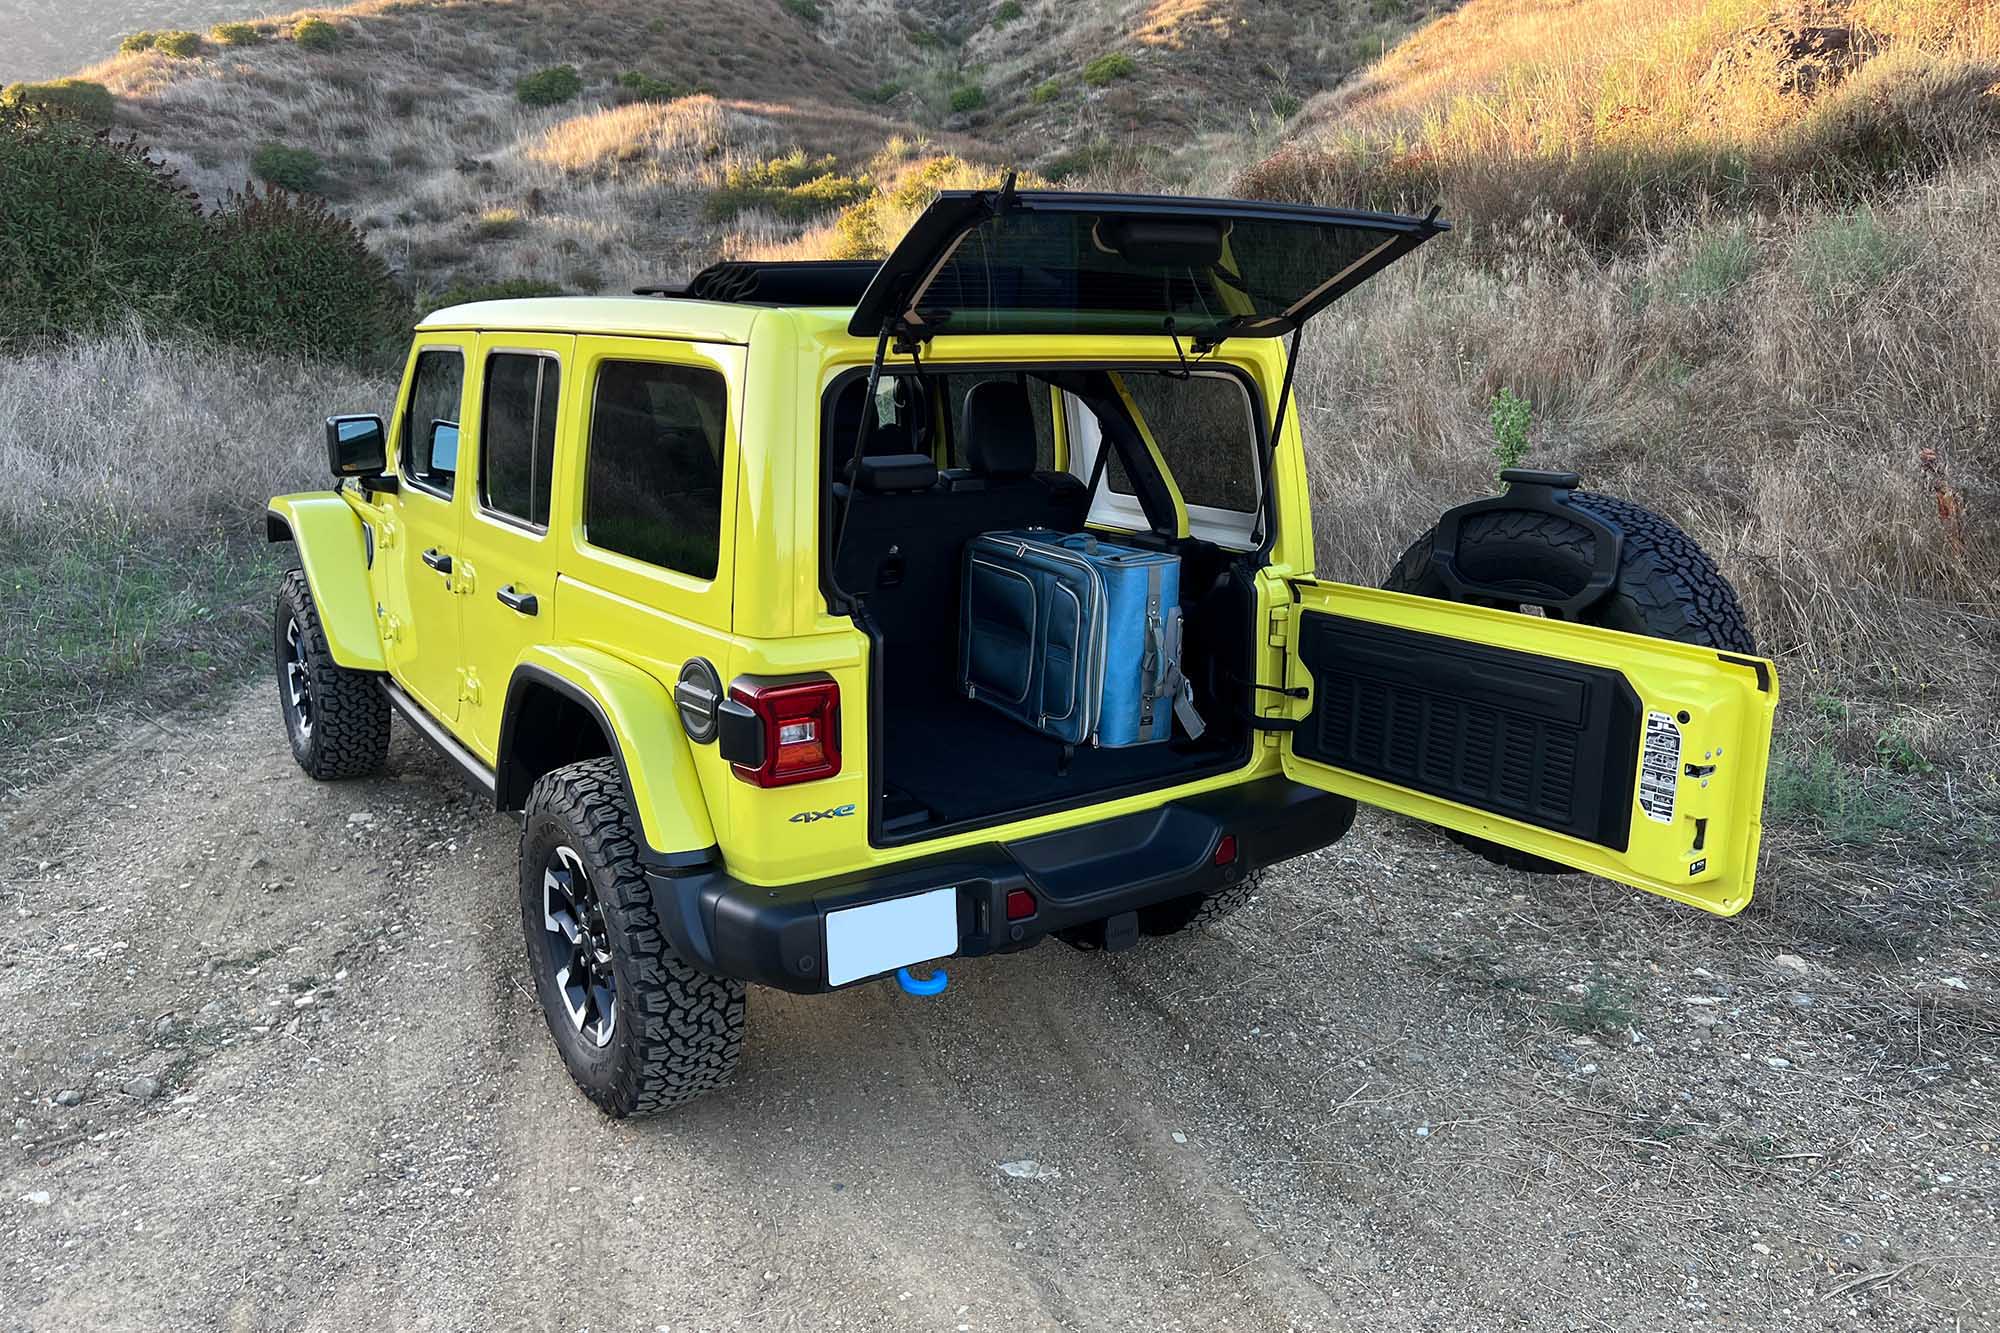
{"x": 998, "y": 431}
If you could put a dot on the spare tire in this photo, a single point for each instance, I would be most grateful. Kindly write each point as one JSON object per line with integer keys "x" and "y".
{"x": 1667, "y": 588}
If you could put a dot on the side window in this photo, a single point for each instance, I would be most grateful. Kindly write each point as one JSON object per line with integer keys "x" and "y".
{"x": 1202, "y": 425}
{"x": 430, "y": 421}
{"x": 517, "y": 435}
{"x": 958, "y": 386}
{"x": 653, "y": 476}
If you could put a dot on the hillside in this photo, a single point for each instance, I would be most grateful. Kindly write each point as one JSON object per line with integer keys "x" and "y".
{"x": 683, "y": 140}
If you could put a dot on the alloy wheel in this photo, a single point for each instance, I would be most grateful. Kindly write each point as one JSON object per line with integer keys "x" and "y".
{"x": 579, "y": 947}
{"x": 298, "y": 680}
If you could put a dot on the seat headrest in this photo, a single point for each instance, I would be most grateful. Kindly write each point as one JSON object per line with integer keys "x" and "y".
{"x": 998, "y": 426}
{"x": 892, "y": 474}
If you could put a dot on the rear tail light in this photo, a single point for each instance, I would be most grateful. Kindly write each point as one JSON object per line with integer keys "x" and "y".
{"x": 796, "y": 732}
{"x": 1225, "y": 851}
{"x": 1020, "y": 904}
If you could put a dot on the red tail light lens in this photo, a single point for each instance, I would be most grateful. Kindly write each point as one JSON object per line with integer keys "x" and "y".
{"x": 800, "y": 722}
{"x": 1225, "y": 851}
{"x": 1020, "y": 904}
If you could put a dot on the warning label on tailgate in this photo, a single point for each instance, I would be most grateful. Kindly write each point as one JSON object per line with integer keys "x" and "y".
{"x": 1659, "y": 767}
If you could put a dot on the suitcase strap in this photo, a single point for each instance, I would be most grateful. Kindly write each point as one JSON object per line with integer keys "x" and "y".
{"x": 1165, "y": 680}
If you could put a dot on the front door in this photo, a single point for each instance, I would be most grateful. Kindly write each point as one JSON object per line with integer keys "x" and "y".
{"x": 421, "y": 626}
{"x": 507, "y": 561}
{"x": 1638, "y": 759}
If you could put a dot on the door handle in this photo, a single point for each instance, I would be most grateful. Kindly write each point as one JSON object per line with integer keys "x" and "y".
{"x": 437, "y": 560}
{"x": 524, "y": 602}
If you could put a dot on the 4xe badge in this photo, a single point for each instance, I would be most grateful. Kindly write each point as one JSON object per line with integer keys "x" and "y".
{"x": 814, "y": 816}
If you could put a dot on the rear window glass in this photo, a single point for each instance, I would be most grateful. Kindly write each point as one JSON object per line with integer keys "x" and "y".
{"x": 1203, "y": 428}
{"x": 653, "y": 483}
{"x": 1057, "y": 271}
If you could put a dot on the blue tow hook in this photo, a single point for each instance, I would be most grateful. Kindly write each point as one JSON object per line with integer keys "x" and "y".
{"x": 927, "y": 986}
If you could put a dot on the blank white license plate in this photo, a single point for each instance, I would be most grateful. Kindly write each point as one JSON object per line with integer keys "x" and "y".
{"x": 861, "y": 941}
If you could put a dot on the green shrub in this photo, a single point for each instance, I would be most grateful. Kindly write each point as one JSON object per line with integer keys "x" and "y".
{"x": 968, "y": 98}
{"x": 1105, "y": 68}
{"x": 882, "y": 93}
{"x": 1720, "y": 263}
{"x": 236, "y": 34}
{"x": 548, "y": 87}
{"x": 510, "y": 289}
{"x": 139, "y": 41}
{"x": 1510, "y": 417}
{"x": 805, "y": 11}
{"x": 1009, "y": 11}
{"x": 499, "y": 224}
{"x": 284, "y": 272}
{"x": 634, "y": 86}
{"x": 795, "y": 187}
{"x": 179, "y": 43}
{"x": 316, "y": 34}
{"x": 1045, "y": 92}
{"x": 73, "y": 99}
{"x": 93, "y": 230}
{"x": 296, "y": 169}
{"x": 1285, "y": 105}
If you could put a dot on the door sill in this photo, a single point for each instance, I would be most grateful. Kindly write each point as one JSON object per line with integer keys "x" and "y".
{"x": 464, "y": 760}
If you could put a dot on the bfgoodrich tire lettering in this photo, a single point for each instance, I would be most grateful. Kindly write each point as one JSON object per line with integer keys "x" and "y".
{"x": 337, "y": 720}
{"x": 674, "y": 1032}
{"x": 1667, "y": 588}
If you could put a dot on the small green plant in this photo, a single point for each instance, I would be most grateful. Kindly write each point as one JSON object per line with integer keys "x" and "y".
{"x": 1603, "y": 1009}
{"x": 236, "y": 34}
{"x": 1285, "y": 104}
{"x": 1849, "y": 255}
{"x": 1894, "y": 750}
{"x": 296, "y": 169}
{"x": 138, "y": 41}
{"x": 1720, "y": 263}
{"x": 73, "y": 99}
{"x": 1009, "y": 11}
{"x": 500, "y": 224}
{"x": 1510, "y": 417}
{"x": 180, "y": 43}
{"x": 926, "y": 40}
{"x": 1849, "y": 806}
{"x": 315, "y": 34}
{"x": 969, "y": 97}
{"x": 1047, "y": 91}
{"x": 1105, "y": 68}
{"x": 1831, "y": 708}
{"x": 548, "y": 87}
{"x": 634, "y": 86}
{"x": 882, "y": 93}
{"x": 805, "y": 11}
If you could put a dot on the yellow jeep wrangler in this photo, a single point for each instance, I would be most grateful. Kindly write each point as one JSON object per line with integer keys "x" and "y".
{"x": 823, "y": 620}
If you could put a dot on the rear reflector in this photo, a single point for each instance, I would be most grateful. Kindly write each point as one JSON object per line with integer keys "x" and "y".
{"x": 799, "y": 723}
{"x": 1020, "y": 904}
{"x": 1225, "y": 851}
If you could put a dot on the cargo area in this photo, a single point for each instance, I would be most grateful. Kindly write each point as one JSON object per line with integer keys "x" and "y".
{"x": 941, "y": 761}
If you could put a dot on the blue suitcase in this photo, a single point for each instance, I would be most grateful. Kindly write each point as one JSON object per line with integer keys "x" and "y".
{"x": 1075, "y": 637}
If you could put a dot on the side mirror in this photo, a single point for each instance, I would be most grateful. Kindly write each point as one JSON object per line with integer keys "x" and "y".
{"x": 357, "y": 446}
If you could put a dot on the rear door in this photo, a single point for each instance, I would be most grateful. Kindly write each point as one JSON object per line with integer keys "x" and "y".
{"x": 1638, "y": 759}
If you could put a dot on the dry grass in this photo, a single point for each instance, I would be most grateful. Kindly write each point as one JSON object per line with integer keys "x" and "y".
{"x": 133, "y": 570}
{"x": 1611, "y": 118}
{"x": 1812, "y": 399}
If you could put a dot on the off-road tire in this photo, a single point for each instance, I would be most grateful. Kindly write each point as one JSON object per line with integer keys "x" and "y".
{"x": 678, "y": 1031}
{"x": 1199, "y": 911}
{"x": 1667, "y": 588}
{"x": 347, "y": 735}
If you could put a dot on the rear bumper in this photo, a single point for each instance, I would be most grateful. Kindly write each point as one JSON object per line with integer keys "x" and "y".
{"x": 776, "y": 936}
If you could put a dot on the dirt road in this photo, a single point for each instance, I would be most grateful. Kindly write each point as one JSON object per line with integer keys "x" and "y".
{"x": 269, "y": 1060}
